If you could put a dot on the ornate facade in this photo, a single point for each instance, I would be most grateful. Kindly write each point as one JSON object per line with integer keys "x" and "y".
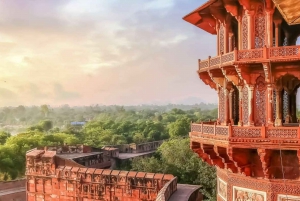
{"x": 255, "y": 142}
{"x": 53, "y": 177}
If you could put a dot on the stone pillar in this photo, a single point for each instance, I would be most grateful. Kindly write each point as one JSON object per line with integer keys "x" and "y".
{"x": 230, "y": 99}
{"x": 226, "y": 97}
{"x": 219, "y": 106}
{"x": 278, "y": 121}
{"x": 240, "y": 40}
{"x": 218, "y": 37}
{"x": 270, "y": 104}
{"x": 251, "y": 104}
{"x": 226, "y": 39}
{"x": 240, "y": 88}
{"x": 277, "y": 33}
{"x": 269, "y": 24}
{"x": 231, "y": 42}
{"x": 251, "y": 26}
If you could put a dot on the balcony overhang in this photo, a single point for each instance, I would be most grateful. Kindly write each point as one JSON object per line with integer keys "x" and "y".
{"x": 289, "y": 10}
{"x": 202, "y": 18}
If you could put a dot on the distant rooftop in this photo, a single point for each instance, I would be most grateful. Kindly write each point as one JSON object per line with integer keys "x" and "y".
{"x": 78, "y": 123}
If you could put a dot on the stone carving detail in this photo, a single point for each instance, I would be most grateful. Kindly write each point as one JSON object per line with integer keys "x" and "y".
{"x": 285, "y": 103}
{"x": 260, "y": 28}
{"x": 203, "y": 64}
{"x": 274, "y": 105}
{"x": 222, "y": 38}
{"x": 222, "y": 105}
{"x": 196, "y": 128}
{"x": 229, "y": 57}
{"x": 222, "y": 189}
{"x": 264, "y": 155}
{"x": 246, "y": 132}
{"x": 250, "y": 54}
{"x": 282, "y": 133}
{"x": 245, "y": 32}
{"x": 245, "y": 105}
{"x": 208, "y": 129}
{"x": 244, "y": 194}
{"x": 215, "y": 61}
{"x": 284, "y": 51}
{"x": 221, "y": 130}
{"x": 260, "y": 101}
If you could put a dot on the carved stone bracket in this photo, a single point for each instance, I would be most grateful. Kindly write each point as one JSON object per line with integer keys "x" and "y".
{"x": 264, "y": 155}
{"x": 242, "y": 72}
{"x": 203, "y": 156}
{"x": 215, "y": 160}
{"x": 217, "y": 77}
{"x": 206, "y": 78}
{"x": 228, "y": 164}
{"x": 230, "y": 156}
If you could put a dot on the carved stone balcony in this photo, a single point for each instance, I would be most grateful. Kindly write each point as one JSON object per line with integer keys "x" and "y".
{"x": 245, "y": 136}
{"x": 273, "y": 54}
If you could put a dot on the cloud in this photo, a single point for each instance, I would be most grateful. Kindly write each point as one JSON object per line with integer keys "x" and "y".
{"x": 105, "y": 52}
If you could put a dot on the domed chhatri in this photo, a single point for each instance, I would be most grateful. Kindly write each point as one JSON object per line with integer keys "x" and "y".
{"x": 255, "y": 141}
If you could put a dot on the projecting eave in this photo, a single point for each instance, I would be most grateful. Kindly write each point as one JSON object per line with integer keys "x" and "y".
{"x": 289, "y": 10}
{"x": 204, "y": 20}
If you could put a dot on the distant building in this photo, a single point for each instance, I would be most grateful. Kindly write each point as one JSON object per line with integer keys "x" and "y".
{"x": 77, "y": 125}
{"x": 70, "y": 173}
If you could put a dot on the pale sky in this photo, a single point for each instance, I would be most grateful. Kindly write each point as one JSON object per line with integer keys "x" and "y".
{"x": 83, "y": 52}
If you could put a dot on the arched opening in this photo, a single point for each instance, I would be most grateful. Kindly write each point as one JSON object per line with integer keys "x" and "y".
{"x": 286, "y": 99}
{"x": 235, "y": 105}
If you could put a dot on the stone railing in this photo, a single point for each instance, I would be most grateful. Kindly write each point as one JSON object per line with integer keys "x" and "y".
{"x": 286, "y": 51}
{"x": 210, "y": 129}
{"x": 169, "y": 188}
{"x": 278, "y": 53}
{"x": 245, "y": 131}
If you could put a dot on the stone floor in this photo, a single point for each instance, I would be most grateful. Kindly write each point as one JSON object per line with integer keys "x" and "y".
{"x": 183, "y": 192}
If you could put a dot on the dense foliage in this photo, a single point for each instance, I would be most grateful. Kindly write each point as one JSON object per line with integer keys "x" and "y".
{"x": 175, "y": 157}
{"x": 108, "y": 126}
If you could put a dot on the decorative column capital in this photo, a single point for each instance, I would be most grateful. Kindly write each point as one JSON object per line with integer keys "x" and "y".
{"x": 251, "y": 87}
{"x": 250, "y": 12}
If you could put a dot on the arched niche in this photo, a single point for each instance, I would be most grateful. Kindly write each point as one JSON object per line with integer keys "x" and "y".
{"x": 287, "y": 87}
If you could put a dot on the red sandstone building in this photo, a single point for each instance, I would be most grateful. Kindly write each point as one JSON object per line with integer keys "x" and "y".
{"x": 256, "y": 139}
{"x": 71, "y": 173}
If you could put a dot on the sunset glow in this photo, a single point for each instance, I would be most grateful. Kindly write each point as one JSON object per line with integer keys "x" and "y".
{"x": 96, "y": 52}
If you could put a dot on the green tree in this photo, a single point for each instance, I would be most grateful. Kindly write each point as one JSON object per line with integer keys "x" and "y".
{"x": 181, "y": 127}
{"x": 46, "y": 125}
{"x": 175, "y": 157}
{"x": 45, "y": 110}
{"x": 72, "y": 140}
{"x": 139, "y": 138}
{"x": 3, "y": 136}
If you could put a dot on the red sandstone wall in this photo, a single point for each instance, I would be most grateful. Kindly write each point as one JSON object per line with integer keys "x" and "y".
{"x": 91, "y": 184}
{"x": 272, "y": 188}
